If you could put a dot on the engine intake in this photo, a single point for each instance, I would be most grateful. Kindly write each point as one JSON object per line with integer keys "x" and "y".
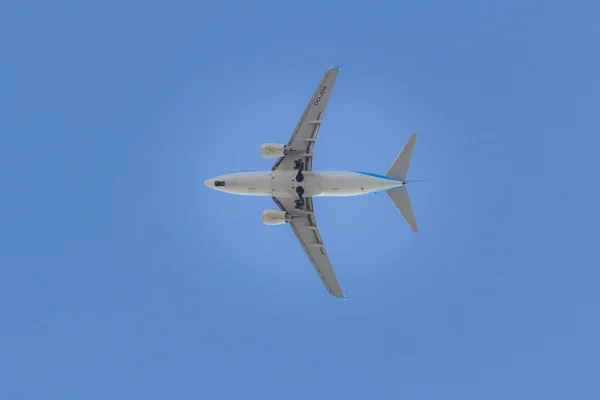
{"x": 275, "y": 217}
{"x": 273, "y": 150}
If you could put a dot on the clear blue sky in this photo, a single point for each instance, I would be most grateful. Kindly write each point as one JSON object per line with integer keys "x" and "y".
{"x": 122, "y": 276}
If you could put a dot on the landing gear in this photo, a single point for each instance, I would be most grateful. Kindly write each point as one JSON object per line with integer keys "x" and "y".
{"x": 300, "y": 201}
{"x": 299, "y": 165}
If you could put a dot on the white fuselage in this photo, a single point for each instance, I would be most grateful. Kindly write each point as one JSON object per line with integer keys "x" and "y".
{"x": 283, "y": 184}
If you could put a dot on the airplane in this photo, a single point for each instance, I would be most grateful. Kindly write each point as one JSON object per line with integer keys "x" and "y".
{"x": 292, "y": 183}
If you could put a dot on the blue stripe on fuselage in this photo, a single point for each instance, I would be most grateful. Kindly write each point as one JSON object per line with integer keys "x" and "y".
{"x": 378, "y": 176}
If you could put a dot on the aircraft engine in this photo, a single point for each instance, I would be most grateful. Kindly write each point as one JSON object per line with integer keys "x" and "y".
{"x": 275, "y": 217}
{"x": 273, "y": 150}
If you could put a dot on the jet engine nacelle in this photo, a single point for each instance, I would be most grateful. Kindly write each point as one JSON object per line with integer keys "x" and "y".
{"x": 273, "y": 150}
{"x": 275, "y": 217}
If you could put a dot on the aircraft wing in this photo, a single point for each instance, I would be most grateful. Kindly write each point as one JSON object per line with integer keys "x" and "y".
{"x": 304, "y": 136}
{"x": 305, "y": 228}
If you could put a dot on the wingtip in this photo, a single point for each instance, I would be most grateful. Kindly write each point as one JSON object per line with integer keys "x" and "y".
{"x": 337, "y": 67}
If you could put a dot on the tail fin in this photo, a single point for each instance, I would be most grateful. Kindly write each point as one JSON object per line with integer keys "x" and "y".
{"x": 399, "y": 170}
{"x": 400, "y": 198}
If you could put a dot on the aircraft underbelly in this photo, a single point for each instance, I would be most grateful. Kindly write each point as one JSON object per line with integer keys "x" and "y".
{"x": 347, "y": 184}
{"x": 249, "y": 183}
{"x": 285, "y": 184}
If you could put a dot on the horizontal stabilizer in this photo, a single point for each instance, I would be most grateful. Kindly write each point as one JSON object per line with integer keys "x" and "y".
{"x": 400, "y": 198}
{"x": 399, "y": 168}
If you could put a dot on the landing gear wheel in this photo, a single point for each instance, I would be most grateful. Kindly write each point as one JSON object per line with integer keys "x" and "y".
{"x": 299, "y": 165}
{"x": 299, "y": 204}
{"x": 300, "y": 201}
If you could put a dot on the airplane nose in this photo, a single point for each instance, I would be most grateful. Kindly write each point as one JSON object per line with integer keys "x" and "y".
{"x": 215, "y": 183}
